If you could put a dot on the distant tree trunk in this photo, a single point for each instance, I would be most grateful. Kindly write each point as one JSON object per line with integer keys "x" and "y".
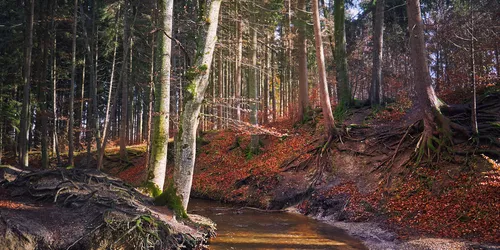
{"x": 161, "y": 118}
{"x": 55, "y": 136}
{"x": 320, "y": 61}
{"x": 266, "y": 82}
{"x": 378, "y": 45}
{"x": 221, "y": 84}
{"x": 43, "y": 84}
{"x": 343, "y": 88}
{"x": 124, "y": 81}
{"x": 475, "y": 129}
{"x": 111, "y": 100}
{"x": 237, "y": 75}
{"x": 273, "y": 88}
{"x": 82, "y": 102}
{"x": 186, "y": 148}
{"x": 71, "y": 125}
{"x": 302, "y": 58}
{"x": 25, "y": 111}
{"x": 253, "y": 90}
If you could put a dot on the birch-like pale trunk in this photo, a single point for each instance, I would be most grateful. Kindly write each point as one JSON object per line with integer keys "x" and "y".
{"x": 161, "y": 117}
{"x": 186, "y": 148}
{"x": 320, "y": 61}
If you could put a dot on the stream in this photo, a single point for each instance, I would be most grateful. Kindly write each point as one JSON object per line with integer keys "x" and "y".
{"x": 245, "y": 228}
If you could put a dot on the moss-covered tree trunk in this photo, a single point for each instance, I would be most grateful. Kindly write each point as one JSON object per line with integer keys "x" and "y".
{"x": 436, "y": 126}
{"x": 199, "y": 74}
{"x": 343, "y": 88}
{"x": 320, "y": 61}
{"x": 159, "y": 144}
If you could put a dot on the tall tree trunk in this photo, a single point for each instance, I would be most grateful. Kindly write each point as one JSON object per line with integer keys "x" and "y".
{"x": 43, "y": 84}
{"x": 124, "y": 80}
{"x": 237, "y": 75}
{"x": 186, "y": 148}
{"x": 435, "y": 124}
{"x": 266, "y": 81}
{"x": 475, "y": 130}
{"x": 343, "y": 88}
{"x": 220, "y": 93}
{"x": 302, "y": 57}
{"x": 378, "y": 45}
{"x": 111, "y": 99}
{"x": 25, "y": 111}
{"x": 81, "y": 135}
{"x": 151, "y": 93}
{"x": 273, "y": 88}
{"x": 55, "y": 136}
{"x": 320, "y": 61}
{"x": 253, "y": 90}
{"x": 161, "y": 118}
{"x": 71, "y": 125}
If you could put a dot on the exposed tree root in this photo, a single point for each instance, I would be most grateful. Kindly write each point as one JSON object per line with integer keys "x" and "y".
{"x": 122, "y": 217}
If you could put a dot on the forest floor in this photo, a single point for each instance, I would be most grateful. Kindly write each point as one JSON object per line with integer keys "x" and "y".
{"x": 453, "y": 204}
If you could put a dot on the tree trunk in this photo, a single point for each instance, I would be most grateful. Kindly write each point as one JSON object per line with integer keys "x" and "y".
{"x": 220, "y": 92}
{"x": 320, "y": 61}
{"x": 253, "y": 90}
{"x": 266, "y": 81}
{"x": 111, "y": 100}
{"x": 475, "y": 130}
{"x": 378, "y": 45}
{"x": 435, "y": 124}
{"x": 302, "y": 58}
{"x": 43, "y": 84}
{"x": 55, "y": 136}
{"x": 162, "y": 95}
{"x": 237, "y": 76}
{"x": 71, "y": 143}
{"x": 343, "y": 88}
{"x": 186, "y": 148}
{"x": 273, "y": 91}
{"x": 25, "y": 111}
{"x": 150, "y": 94}
{"x": 124, "y": 81}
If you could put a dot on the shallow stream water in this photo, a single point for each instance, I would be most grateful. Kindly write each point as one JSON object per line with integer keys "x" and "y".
{"x": 244, "y": 228}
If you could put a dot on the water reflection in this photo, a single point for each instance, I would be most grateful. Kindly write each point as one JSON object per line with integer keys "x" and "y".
{"x": 251, "y": 229}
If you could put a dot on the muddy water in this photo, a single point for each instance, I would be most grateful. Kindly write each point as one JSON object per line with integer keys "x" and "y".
{"x": 240, "y": 228}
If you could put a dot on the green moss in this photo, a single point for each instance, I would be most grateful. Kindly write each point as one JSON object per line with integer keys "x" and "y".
{"x": 191, "y": 88}
{"x": 153, "y": 189}
{"x": 170, "y": 199}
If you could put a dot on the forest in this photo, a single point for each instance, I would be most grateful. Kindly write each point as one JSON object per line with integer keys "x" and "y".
{"x": 122, "y": 120}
